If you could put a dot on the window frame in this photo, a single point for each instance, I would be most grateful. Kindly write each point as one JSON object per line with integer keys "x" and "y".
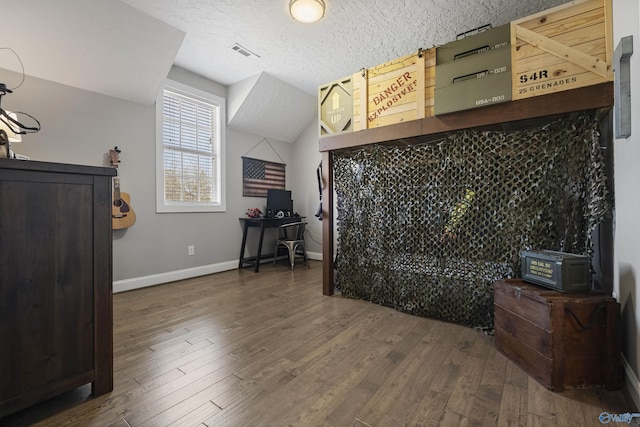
{"x": 189, "y": 206}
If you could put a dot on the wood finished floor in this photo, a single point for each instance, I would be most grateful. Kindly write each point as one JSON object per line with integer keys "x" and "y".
{"x": 267, "y": 349}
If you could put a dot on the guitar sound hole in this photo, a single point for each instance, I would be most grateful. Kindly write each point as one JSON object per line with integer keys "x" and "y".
{"x": 124, "y": 207}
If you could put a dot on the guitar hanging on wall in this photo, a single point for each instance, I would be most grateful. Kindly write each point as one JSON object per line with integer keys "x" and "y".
{"x": 122, "y": 214}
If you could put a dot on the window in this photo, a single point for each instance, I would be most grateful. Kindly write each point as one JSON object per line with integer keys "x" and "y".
{"x": 190, "y": 150}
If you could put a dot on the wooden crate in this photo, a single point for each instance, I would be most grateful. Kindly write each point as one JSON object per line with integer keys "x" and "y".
{"x": 335, "y": 109}
{"x": 566, "y": 47}
{"x": 394, "y": 92}
{"x": 562, "y": 340}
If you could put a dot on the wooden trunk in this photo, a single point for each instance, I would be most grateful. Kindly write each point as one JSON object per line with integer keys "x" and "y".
{"x": 562, "y": 340}
{"x": 566, "y": 47}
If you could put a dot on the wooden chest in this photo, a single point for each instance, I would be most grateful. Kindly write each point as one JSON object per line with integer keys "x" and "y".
{"x": 562, "y": 340}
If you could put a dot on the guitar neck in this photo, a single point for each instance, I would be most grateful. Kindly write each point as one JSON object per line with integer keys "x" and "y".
{"x": 116, "y": 189}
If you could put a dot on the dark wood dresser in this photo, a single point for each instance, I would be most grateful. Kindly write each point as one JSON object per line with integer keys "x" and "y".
{"x": 56, "y": 328}
{"x": 562, "y": 340}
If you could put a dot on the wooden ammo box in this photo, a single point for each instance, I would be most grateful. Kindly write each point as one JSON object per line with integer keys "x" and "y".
{"x": 561, "y": 340}
{"x": 562, "y": 48}
{"x": 474, "y": 71}
{"x": 394, "y": 92}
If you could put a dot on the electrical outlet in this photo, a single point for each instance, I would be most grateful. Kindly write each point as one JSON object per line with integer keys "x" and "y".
{"x": 191, "y": 250}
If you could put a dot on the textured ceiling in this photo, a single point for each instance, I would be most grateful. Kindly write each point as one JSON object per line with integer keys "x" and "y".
{"x": 124, "y": 48}
{"x": 354, "y": 34}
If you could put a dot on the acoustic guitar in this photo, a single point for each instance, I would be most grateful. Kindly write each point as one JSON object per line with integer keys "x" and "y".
{"x": 122, "y": 214}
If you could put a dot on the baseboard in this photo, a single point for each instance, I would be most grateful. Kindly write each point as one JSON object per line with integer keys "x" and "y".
{"x": 171, "y": 276}
{"x": 632, "y": 384}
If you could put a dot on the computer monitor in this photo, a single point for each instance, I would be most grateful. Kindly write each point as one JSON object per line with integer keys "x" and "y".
{"x": 279, "y": 199}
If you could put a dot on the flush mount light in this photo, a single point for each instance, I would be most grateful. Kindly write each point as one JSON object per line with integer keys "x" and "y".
{"x": 306, "y": 11}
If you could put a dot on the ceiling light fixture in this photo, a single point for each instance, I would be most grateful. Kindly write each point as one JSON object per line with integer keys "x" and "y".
{"x": 306, "y": 11}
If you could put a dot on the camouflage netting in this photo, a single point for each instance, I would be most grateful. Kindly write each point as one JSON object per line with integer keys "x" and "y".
{"x": 428, "y": 228}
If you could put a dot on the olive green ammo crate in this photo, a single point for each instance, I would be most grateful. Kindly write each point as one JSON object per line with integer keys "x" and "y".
{"x": 474, "y": 71}
{"x": 493, "y": 89}
{"x": 474, "y": 81}
{"x": 561, "y": 271}
{"x": 476, "y": 44}
{"x": 474, "y": 68}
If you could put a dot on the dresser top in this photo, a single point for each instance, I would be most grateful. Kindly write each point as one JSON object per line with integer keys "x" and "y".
{"x": 37, "y": 166}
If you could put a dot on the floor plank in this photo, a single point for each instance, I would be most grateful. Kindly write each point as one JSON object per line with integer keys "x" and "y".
{"x": 268, "y": 349}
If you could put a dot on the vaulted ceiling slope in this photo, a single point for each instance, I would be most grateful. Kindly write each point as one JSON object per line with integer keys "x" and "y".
{"x": 102, "y": 46}
{"x": 124, "y": 48}
{"x": 265, "y": 105}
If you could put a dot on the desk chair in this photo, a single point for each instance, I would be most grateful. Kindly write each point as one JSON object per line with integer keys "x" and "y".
{"x": 292, "y": 236}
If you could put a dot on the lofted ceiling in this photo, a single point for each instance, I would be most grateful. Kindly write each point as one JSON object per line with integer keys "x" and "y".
{"x": 125, "y": 48}
{"x": 102, "y": 46}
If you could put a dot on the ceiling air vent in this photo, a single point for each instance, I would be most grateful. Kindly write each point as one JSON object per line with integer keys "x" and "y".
{"x": 243, "y": 50}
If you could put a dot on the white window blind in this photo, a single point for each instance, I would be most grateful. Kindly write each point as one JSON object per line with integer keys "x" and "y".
{"x": 191, "y": 152}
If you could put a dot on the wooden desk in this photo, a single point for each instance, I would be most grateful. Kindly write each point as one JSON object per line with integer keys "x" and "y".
{"x": 263, "y": 223}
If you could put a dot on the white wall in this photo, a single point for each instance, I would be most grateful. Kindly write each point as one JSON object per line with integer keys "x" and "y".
{"x": 306, "y": 199}
{"x": 80, "y": 127}
{"x": 627, "y": 218}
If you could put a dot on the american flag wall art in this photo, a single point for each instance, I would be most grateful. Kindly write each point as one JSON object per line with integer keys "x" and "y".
{"x": 258, "y": 176}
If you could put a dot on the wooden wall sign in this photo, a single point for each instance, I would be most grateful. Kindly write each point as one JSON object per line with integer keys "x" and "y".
{"x": 336, "y": 106}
